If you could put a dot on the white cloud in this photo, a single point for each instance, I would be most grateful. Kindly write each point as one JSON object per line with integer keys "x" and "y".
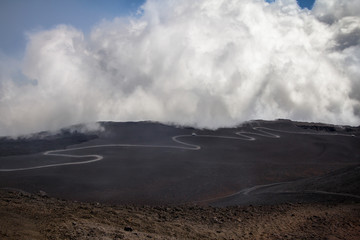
{"x": 332, "y": 10}
{"x": 204, "y": 63}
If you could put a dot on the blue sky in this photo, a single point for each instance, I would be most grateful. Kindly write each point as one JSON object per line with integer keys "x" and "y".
{"x": 306, "y": 3}
{"x": 19, "y": 16}
{"x": 302, "y": 3}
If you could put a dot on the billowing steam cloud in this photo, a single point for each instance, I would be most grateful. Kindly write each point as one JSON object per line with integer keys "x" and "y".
{"x": 207, "y": 63}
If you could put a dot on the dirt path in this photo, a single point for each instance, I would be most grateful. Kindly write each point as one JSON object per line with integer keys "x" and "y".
{"x": 25, "y": 216}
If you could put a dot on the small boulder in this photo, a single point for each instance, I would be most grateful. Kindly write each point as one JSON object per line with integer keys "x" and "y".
{"x": 128, "y": 229}
{"x": 43, "y": 194}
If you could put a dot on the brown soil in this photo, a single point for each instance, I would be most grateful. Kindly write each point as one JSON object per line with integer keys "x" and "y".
{"x": 28, "y": 216}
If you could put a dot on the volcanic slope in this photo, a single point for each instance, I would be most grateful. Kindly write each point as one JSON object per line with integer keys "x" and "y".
{"x": 153, "y": 163}
{"x": 26, "y": 216}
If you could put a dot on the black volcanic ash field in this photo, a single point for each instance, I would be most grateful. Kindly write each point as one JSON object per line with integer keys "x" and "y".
{"x": 171, "y": 172}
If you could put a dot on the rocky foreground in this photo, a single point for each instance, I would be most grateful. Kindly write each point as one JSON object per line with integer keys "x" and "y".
{"x": 29, "y": 216}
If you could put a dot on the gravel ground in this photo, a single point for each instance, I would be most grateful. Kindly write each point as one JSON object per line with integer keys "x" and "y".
{"x": 29, "y": 216}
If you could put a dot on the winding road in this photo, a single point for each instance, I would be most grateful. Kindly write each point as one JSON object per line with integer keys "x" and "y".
{"x": 182, "y": 145}
{"x": 242, "y": 135}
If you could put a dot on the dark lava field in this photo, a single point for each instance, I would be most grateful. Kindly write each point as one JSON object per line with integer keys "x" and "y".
{"x": 150, "y": 163}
